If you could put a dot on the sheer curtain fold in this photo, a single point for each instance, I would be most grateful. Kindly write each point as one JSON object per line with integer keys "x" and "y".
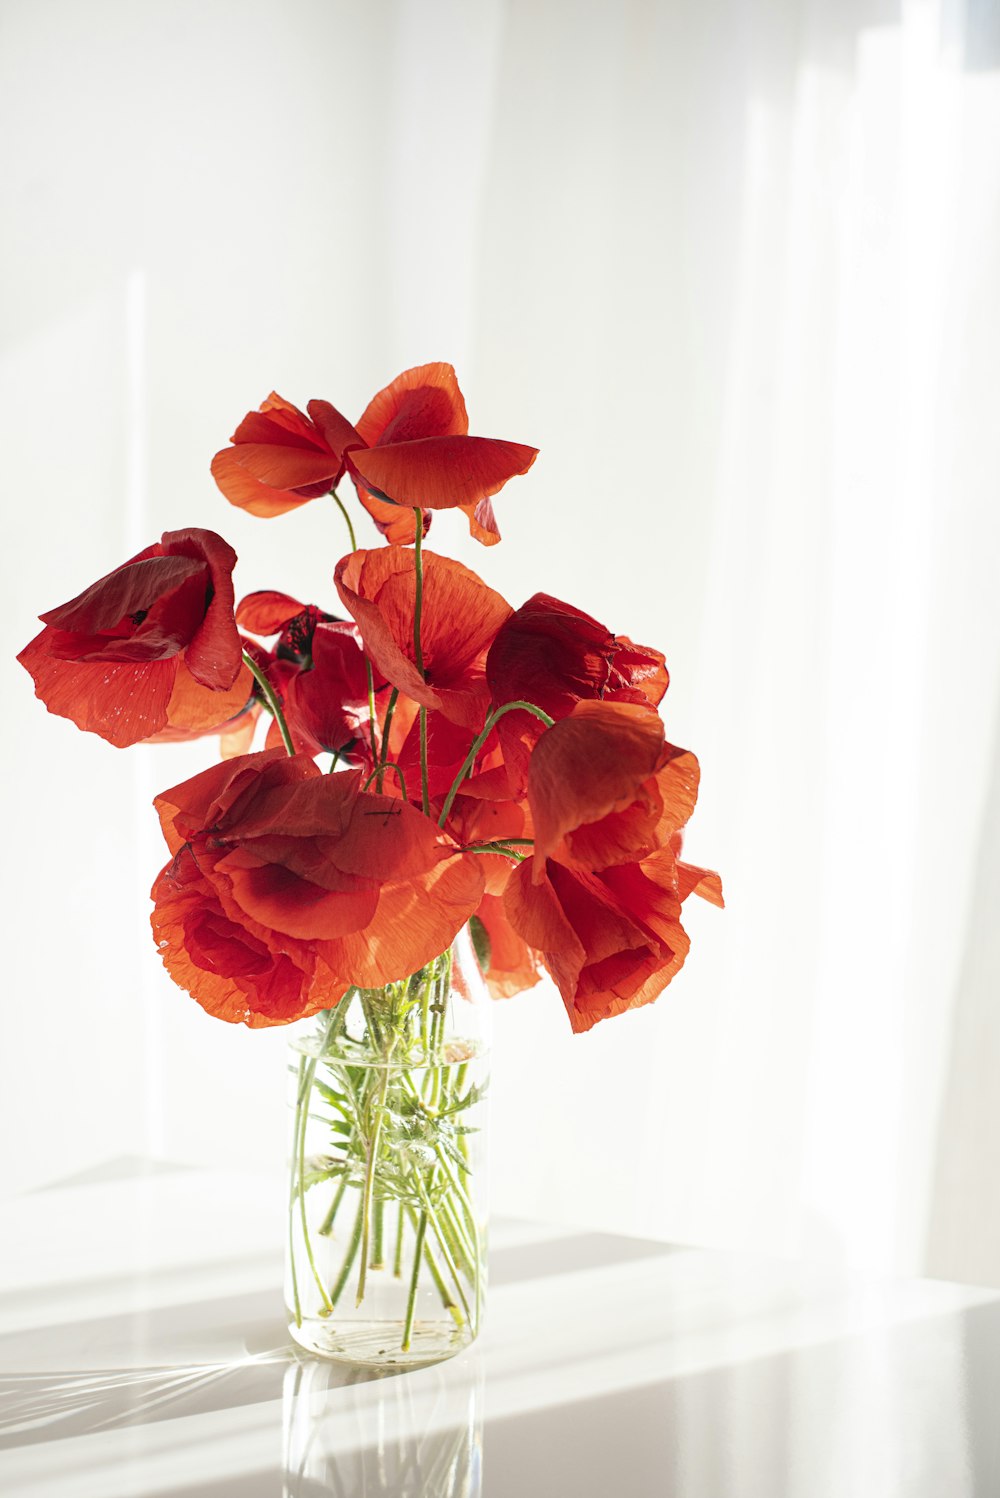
{"x": 733, "y": 268}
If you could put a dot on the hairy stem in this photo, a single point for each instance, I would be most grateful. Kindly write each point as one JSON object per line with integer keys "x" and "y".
{"x": 270, "y": 697}
{"x": 480, "y": 740}
{"x": 350, "y": 528}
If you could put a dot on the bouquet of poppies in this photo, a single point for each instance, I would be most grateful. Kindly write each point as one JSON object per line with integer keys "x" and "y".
{"x": 432, "y": 758}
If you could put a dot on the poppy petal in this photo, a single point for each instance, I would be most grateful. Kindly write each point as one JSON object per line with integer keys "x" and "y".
{"x": 267, "y": 612}
{"x": 248, "y": 493}
{"x": 124, "y": 702}
{"x": 460, "y": 618}
{"x": 589, "y": 765}
{"x": 395, "y": 522}
{"x": 215, "y": 654}
{"x": 416, "y": 920}
{"x": 196, "y": 707}
{"x": 440, "y": 473}
{"x": 276, "y": 897}
{"x": 421, "y": 402}
{"x": 130, "y": 589}
{"x": 512, "y": 966}
{"x": 694, "y": 881}
{"x": 286, "y": 467}
{"x": 335, "y": 429}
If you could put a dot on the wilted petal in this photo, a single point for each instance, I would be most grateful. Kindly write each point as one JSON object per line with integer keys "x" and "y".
{"x": 589, "y": 765}
{"x": 694, "y": 881}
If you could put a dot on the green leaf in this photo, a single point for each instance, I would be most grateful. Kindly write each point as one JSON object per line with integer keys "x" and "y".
{"x": 471, "y": 1097}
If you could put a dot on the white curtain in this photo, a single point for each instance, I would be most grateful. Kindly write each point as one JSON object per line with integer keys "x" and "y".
{"x": 733, "y": 267}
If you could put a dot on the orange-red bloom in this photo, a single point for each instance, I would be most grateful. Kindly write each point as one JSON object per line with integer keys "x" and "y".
{"x": 612, "y": 941}
{"x": 287, "y": 885}
{"x": 414, "y": 451}
{"x": 459, "y": 619}
{"x": 152, "y": 646}
{"x": 600, "y": 897}
{"x": 605, "y": 788}
{"x": 553, "y": 655}
{"x": 410, "y": 450}
{"x": 317, "y": 668}
{"x": 281, "y": 458}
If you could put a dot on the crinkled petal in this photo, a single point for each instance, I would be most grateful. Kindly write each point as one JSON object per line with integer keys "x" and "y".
{"x": 416, "y": 921}
{"x": 459, "y": 621}
{"x": 704, "y": 882}
{"x": 215, "y": 654}
{"x": 588, "y": 765}
{"x": 123, "y": 702}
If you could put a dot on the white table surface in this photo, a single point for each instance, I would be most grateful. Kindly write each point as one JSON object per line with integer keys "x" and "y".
{"x": 143, "y": 1352}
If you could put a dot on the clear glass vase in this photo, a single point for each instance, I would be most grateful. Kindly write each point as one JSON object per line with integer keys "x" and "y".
{"x": 386, "y": 1261}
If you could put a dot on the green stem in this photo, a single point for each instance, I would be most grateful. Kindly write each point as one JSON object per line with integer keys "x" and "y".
{"x": 397, "y": 1259}
{"x": 270, "y": 697}
{"x": 390, "y": 709}
{"x": 307, "y": 1071}
{"x": 418, "y": 649}
{"x": 388, "y": 764}
{"x": 418, "y": 559}
{"x": 291, "y": 1195}
{"x": 306, "y": 1074}
{"x": 350, "y": 528}
{"x": 477, "y": 744}
{"x": 443, "y": 1243}
{"x": 378, "y": 1253}
{"x": 424, "y": 791}
{"x": 351, "y": 1255}
{"x": 371, "y": 709}
{"x": 326, "y": 1226}
{"x": 504, "y": 849}
{"x": 411, "y": 1302}
{"x": 370, "y": 1167}
{"x": 450, "y": 1305}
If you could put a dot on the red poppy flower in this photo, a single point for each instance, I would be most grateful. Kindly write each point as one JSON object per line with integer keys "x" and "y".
{"x": 237, "y": 969}
{"x": 414, "y": 451}
{"x": 553, "y": 655}
{"x": 411, "y": 449}
{"x": 311, "y": 868}
{"x": 459, "y": 620}
{"x": 612, "y": 941}
{"x": 281, "y": 458}
{"x": 605, "y": 788}
{"x": 317, "y": 668}
{"x": 151, "y": 646}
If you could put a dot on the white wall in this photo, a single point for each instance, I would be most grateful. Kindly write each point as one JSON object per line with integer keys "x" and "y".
{"x": 732, "y": 268}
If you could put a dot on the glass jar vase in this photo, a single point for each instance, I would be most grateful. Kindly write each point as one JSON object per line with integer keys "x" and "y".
{"x": 386, "y": 1260}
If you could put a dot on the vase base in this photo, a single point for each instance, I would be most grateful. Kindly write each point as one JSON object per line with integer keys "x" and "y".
{"x": 378, "y": 1344}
